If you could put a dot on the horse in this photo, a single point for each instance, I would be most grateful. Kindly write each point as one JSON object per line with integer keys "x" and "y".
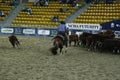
{"x": 58, "y": 43}
{"x": 14, "y": 41}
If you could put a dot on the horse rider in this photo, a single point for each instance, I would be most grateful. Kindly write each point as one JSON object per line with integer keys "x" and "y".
{"x": 61, "y": 30}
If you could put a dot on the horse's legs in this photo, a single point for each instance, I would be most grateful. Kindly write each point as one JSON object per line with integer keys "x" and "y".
{"x": 69, "y": 43}
{"x": 65, "y": 49}
{"x": 61, "y": 52}
{"x": 66, "y": 44}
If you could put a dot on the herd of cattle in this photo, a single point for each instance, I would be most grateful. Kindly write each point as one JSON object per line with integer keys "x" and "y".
{"x": 103, "y": 41}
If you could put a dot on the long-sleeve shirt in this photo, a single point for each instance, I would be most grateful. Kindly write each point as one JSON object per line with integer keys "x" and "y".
{"x": 61, "y": 28}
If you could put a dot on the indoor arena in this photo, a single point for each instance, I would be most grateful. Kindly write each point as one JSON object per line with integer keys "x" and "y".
{"x": 34, "y": 47}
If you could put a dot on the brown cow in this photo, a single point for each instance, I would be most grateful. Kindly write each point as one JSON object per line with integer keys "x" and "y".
{"x": 14, "y": 41}
{"x": 92, "y": 41}
{"x": 73, "y": 38}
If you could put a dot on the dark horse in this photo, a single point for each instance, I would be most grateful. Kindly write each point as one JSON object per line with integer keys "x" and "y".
{"x": 14, "y": 41}
{"x": 58, "y": 42}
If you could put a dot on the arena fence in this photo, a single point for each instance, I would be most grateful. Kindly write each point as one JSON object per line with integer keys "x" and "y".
{"x": 73, "y": 27}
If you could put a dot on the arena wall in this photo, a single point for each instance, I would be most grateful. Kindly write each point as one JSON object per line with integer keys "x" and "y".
{"x": 73, "y": 29}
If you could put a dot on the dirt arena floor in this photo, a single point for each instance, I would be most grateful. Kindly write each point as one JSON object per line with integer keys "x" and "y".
{"x": 34, "y": 61}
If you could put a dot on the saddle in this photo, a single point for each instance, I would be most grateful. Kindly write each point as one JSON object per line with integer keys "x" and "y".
{"x": 62, "y": 37}
{"x": 59, "y": 36}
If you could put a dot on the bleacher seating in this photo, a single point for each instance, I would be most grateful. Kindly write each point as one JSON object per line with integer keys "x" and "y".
{"x": 5, "y": 8}
{"x": 42, "y": 15}
{"x": 99, "y": 13}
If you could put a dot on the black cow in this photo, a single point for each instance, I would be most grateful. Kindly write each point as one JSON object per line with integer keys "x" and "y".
{"x": 83, "y": 38}
{"x": 14, "y": 41}
{"x": 112, "y": 45}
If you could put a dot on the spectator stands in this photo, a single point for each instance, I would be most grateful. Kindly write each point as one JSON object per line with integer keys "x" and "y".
{"x": 99, "y": 13}
{"x": 41, "y": 15}
{"x": 5, "y": 8}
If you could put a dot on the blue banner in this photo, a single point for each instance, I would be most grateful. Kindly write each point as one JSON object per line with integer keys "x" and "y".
{"x": 18, "y": 30}
{"x": 113, "y": 25}
{"x": 29, "y": 31}
{"x": 73, "y": 29}
{"x": 26, "y": 31}
{"x": 53, "y": 32}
